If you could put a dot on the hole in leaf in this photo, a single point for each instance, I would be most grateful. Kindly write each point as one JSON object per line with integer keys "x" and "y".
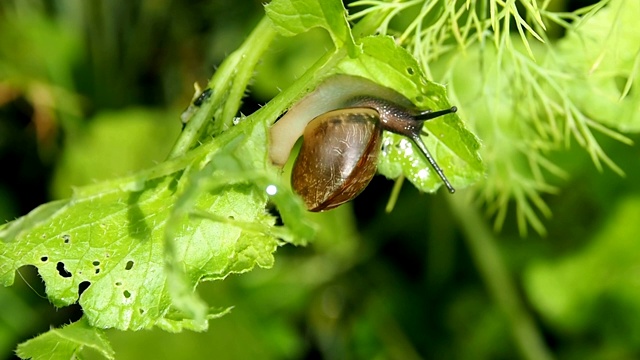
{"x": 66, "y": 238}
{"x": 273, "y": 211}
{"x": 30, "y": 281}
{"x": 419, "y": 99}
{"x": 96, "y": 263}
{"x": 44, "y": 258}
{"x": 83, "y": 286}
{"x": 141, "y": 311}
{"x": 97, "y": 271}
{"x": 129, "y": 265}
{"x": 127, "y": 294}
{"x": 410, "y": 71}
{"x": 231, "y": 217}
{"x": 62, "y": 271}
{"x": 118, "y": 283}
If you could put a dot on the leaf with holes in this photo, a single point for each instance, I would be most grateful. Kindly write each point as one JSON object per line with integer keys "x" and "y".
{"x": 106, "y": 247}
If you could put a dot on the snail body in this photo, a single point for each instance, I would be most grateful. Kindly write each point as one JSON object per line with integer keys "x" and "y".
{"x": 342, "y": 137}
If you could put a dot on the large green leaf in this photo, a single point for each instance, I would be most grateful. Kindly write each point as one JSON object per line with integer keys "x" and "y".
{"x": 109, "y": 240}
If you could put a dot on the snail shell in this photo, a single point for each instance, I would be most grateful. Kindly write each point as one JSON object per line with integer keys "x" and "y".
{"x": 338, "y": 157}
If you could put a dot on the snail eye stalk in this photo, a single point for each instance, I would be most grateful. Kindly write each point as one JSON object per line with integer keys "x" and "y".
{"x": 428, "y": 115}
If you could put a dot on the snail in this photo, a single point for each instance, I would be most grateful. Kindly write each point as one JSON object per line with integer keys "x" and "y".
{"x": 341, "y": 123}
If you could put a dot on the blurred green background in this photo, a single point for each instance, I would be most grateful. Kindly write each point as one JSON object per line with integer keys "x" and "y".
{"x": 91, "y": 90}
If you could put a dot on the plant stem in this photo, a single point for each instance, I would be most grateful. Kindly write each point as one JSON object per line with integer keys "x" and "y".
{"x": 229, "y": 84}
{"x": 486, "y": 255}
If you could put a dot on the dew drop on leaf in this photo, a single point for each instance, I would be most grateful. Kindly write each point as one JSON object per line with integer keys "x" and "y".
{"x": 272, "y": 190}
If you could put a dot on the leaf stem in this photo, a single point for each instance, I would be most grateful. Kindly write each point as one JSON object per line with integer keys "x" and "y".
{"x": 229, "y": 84}
{"x": 486, "y": 255}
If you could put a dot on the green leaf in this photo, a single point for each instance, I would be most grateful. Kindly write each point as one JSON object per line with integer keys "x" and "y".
{"x": 114, "y": 143}
{"x": 572, "y": 291}
{"x": 132, "y": 250}
{"x": 66, "y": 343}
{"x": 604, "y": 52}
{"x": 453, "y": 146}
{"x": 109, "y": 239}
{"x": 292, "y": 17}
{"x": 36, "y": 216}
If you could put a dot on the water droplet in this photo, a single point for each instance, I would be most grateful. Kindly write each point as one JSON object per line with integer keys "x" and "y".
{"x": 272, "y": 190}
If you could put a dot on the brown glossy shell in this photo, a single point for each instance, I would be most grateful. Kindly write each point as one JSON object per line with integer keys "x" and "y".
{"x": 338, "y": 157}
